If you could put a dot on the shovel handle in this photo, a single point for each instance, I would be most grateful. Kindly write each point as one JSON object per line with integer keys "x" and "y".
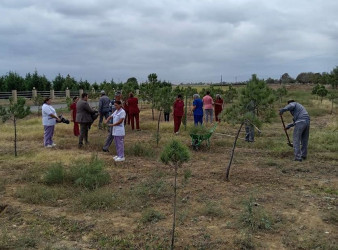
{"x": 287, "y": 136}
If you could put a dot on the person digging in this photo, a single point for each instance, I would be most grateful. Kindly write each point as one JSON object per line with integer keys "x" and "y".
{"x": 301, "y": 122}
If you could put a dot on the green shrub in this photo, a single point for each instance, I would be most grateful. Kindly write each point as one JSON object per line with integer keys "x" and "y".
{"x": 89, "y": 175}
{"x": 55, "y": 174}
{"x": 151, "y": 215}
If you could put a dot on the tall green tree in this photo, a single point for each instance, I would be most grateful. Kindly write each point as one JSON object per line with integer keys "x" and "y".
{"x": 14, "y": 112}
{"x": 14, "y": 81}
{"x": 69, "y": 83}
{"x": 148, "y": 91}
{"x": 58, "y": 82}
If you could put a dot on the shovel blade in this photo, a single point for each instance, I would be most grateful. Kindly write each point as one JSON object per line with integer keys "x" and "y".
{"x": 290, "y": 144}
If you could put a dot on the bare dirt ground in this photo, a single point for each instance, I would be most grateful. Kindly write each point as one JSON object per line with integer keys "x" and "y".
{"x": 270, "y": 202}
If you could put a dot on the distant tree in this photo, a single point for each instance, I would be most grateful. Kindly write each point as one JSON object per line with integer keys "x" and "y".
{"x": 304, "y": 77}
{"x": 70, "y": 83}
{"x": 175, "y": 154}
{"x": 15, "y": 111}
{"x": 148, "y": 91}
{"x": 333, "y": 97}
{"x": 334, "y": 78}
{"x": 3, "y": 85}
{"x": 285, "y": 78}
{"x": 164, "y": 100}
{"x": 255, "y": 106}
{"x": 58, "y": 82}
{"x": 230, "y": 94}
{"x": 95, "y": 86}
{"x": 326, "y": 78}
{"x": 38, "y": 101}
{"x": 271, "y": 81}
{"x": 14, "y": 81}
{"x": 280, "y": 92}
{"x": 322, "y": 92}
{"x": 85, "y": 85}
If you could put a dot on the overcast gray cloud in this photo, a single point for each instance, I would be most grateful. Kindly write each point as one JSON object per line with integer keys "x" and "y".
{"x": 181, "y": 41}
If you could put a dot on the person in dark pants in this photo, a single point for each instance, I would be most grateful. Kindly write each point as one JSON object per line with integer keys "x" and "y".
{"x": 84, "y": 117}
{"x": 197, "y": 109}
{"x": 166, "y": 115}
{"x": 178, "y": 113}
{"x": 301, "y": 122}
{"x": 104, "y": 107}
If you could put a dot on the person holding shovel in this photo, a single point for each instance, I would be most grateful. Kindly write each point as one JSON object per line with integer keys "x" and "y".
{"x": 301, "y": 122}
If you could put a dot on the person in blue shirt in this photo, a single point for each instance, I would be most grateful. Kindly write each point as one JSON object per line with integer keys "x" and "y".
{"x": 197, "y": 109}
{"x": 301, "y": 122}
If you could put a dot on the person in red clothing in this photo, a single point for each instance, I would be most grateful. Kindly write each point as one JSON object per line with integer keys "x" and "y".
{"x": 126, "y": 109}
{"x": 133, "y": 111}
{"x": 178, "y": 113}
{"x": 218, "y": 106}
{"x": 73, "y": 116}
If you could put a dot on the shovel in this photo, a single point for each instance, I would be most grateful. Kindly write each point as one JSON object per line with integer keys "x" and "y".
{"x": 287, "y": 136}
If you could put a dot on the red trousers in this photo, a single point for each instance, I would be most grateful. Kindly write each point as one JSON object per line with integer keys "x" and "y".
{"x": 76, "y": 129}
{"x": 137, "y": 118}
{"x": 177, "y": 123}
{"x": 217, "y": 112}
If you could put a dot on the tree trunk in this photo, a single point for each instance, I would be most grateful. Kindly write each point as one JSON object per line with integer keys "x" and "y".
{"x": 332, "y": 106}
{"x": 15, "y": 152}
{"x": 152, "y": 112}
{"x": 232, "y": 153}
{"x": 174, "y": 219}
{"x": 158, "y": 128}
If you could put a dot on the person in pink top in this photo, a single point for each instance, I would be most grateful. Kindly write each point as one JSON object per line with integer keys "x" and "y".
{"x": 207, "y": 105}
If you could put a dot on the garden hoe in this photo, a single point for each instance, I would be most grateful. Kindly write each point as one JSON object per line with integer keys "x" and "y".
{"x": 287, "y": 136}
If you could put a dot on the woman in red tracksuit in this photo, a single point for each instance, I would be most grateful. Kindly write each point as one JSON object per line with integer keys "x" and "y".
{"x": 126, "y": 109}
{"x": 72, "y": 107}
{"x": 133, "y": 111}
{"x": 178, "y": 113}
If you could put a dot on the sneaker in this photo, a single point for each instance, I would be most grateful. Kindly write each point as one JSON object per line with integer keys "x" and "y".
{"x": 298, "y": 159}
{"x": 53, "y": 145}
{"x": 105, "y": 150}
{"x": 115, "y": 157}
{"x": 304, "y": 157}
{"x": 120, "y": 159}
{"x": 48, "y": 146}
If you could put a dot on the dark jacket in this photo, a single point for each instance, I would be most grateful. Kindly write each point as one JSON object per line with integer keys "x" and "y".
{"x": 104, "y": 104}
{"x": 84, "y": 112}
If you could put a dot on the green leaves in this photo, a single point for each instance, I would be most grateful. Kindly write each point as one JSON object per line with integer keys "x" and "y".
{"x": 255, "y": 104}
{"x": 175, "y": 153}
{"x": 16, "y": 110}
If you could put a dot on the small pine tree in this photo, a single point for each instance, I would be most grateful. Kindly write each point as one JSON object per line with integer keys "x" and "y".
{"x": 175, "y": 154}
{"x": 38, "y": 101}
{"x": 15, "y": 111}
{"x": 333, "y": 97}
{"x": 255, "y": 106}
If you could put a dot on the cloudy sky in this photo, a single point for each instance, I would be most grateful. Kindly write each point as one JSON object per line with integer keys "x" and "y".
{"x": 179, "y": 40}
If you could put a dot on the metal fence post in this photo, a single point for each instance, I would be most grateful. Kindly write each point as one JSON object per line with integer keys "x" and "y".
{"x": 15, "y": 96}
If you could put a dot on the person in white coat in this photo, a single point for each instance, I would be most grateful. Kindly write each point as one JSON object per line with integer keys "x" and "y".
{"x": 49, "y": 118}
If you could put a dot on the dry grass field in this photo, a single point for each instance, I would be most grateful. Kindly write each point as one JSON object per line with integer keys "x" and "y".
{"x": 270, "y": 202}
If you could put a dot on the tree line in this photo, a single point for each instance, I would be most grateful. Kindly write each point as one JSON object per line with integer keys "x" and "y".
{"x": 13, "y": 80}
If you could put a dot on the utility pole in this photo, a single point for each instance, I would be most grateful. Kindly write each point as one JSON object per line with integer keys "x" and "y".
{"x": 221, "y": 79}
